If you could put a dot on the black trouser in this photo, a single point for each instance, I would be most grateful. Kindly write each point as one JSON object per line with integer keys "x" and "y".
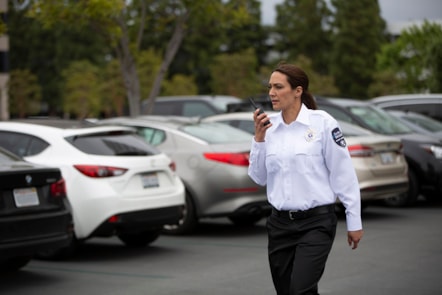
{"x": 298, "y": 250}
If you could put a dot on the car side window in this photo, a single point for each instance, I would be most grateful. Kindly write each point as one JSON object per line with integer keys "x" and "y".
{"x": 194, "y": 109}
{"x": 168, "y": 108}
{"x": 152, "y": 135}
{"x": 22, "y": 144}
{"x": 336, "y": 113}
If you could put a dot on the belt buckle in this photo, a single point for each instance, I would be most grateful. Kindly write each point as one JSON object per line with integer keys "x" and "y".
{"x": 292, "y": 214}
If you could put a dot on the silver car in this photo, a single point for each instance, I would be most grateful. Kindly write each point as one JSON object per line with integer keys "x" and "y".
{"x": 212, "y": 160}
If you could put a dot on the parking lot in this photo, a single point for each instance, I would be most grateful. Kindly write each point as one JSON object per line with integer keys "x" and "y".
{"x": 400, "y": 254}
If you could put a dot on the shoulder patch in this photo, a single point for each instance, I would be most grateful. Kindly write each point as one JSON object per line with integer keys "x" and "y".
{"x": 338, "y": 137}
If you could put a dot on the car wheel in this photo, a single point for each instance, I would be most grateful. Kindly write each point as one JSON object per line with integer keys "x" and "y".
{"x": 245, "y": 220}
{"x": 141, "y": 239}
{"x": 14, "y": 264}
{"x": 406, "y": 199}
{"x": 60, "y": 253}
{"x": 187, "y": 223}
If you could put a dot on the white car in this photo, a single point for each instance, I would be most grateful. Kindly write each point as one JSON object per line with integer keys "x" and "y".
{"x": 116, "y": 183}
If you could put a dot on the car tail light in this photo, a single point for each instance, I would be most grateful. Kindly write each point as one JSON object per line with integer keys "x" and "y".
{"x": 58, "y": 189}
{"x": 360, "y": 151}
{"x": 434, "y": 150}
{"x": 172, "y": 166}
{"x": 239, "y": 159}
{"x": 96, "y": 171}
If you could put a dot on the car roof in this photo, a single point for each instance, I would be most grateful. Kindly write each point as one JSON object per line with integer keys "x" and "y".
{"x": 170, "y": 121}
{"x": 60, "y": 127}
{"x": 421, "y": 97}
{"x": 408, "y": 96}
{"x": 235, "y": 115}
{"x": 197, "y": 97}
{"x": 345, "y": 102}
{"x": 57, "y": 122}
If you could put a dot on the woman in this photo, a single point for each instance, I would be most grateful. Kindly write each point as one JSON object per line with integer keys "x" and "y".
{"x": 302, "y": 158}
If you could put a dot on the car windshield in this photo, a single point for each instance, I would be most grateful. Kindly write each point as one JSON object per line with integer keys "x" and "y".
{"x": 216, "y": 133}
{"x": 379, "y": 120}
{"x": 424, "y": 122}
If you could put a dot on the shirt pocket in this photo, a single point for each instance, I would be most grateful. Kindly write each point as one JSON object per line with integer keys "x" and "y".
{"x": 272, "y": 163}
{"x": 308, "y": 159}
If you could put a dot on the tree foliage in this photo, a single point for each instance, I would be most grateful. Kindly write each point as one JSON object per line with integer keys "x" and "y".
{"x": 358, "y": 36}
{"x": 241, "y": 80}
{"x": 82, "y": 93}
{"x": 47, "y": 51}
{"x": 24, "y": 93}
{"x": 305, "y": 30}
{"x": 319, "y": 84}
{"x": 415, "y": 58}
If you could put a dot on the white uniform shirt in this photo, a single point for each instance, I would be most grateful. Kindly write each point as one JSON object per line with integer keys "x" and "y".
{"x": 306, "y": 164}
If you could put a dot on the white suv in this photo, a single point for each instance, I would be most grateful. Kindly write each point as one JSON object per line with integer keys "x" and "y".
{"x": 116, "y": 183}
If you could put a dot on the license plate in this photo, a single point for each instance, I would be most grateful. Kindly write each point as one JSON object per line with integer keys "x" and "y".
{"x": 26, "y": 197}
{"x": 387, "y": 158}
{"x": 150, "y": 180}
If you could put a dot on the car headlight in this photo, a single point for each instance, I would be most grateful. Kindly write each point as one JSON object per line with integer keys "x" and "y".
{"x": 435, "y": 150}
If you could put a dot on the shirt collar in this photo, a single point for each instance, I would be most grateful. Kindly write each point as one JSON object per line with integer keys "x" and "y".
{"x": 303, "y": 117}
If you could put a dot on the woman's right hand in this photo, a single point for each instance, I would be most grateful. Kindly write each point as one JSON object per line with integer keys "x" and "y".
{"x": 260, "y": 126}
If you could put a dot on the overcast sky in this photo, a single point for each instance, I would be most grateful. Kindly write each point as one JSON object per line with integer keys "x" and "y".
{"x": 391, "y": 10}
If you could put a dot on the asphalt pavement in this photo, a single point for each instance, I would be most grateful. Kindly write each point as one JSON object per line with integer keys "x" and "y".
{"x": 400, "y": 254}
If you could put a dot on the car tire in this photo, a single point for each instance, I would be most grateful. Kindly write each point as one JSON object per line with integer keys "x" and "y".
{"x": 187, "y": 223}
{"x": 14, "y": 264}
{"x": 140, "y": 239}
{"x": 406, "y": 199}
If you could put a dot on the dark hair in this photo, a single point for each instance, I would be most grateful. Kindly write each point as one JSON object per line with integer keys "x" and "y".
{"x": 297, "y": 77}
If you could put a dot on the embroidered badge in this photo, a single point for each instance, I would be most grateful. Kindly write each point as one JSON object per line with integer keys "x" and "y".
{"x": 338, "y": 137}
{"x": 309, "y": 135}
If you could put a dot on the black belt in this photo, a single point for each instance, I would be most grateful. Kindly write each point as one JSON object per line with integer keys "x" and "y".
{"x": 298, "y": 214}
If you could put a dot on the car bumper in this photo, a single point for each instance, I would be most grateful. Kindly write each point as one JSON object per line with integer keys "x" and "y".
{"x": 92, "y": 208}
{"x": 383, "y": 191}
{"x": 139, "y": 221}
{"x": 31, "y": 234}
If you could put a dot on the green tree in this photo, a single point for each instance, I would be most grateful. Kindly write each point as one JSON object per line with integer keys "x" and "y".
{"x": 47, "y": 51}
{"x": 384, "y": 83}
{"x": 415, "y": 58}
{"x": 319, "y": 84}
{"x": 113, "y": 93}
{"x": 24, "y": 93}
{"x": 82, "y": 90}
{"x": 179, "y": 85}
{"x": 303, "y": 27}
{"x": 123, "y": 23}
{"x": 434, "y": 63}
{"x": 358, "y": 35}
{"x": 235, "y": 74}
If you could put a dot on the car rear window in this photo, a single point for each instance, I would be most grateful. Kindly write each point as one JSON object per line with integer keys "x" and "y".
{"x": 113, "y": 144}
{"x": 216, "y": 132}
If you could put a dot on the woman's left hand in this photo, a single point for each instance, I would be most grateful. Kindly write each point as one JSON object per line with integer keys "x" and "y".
{"x": 354, "y": 237}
